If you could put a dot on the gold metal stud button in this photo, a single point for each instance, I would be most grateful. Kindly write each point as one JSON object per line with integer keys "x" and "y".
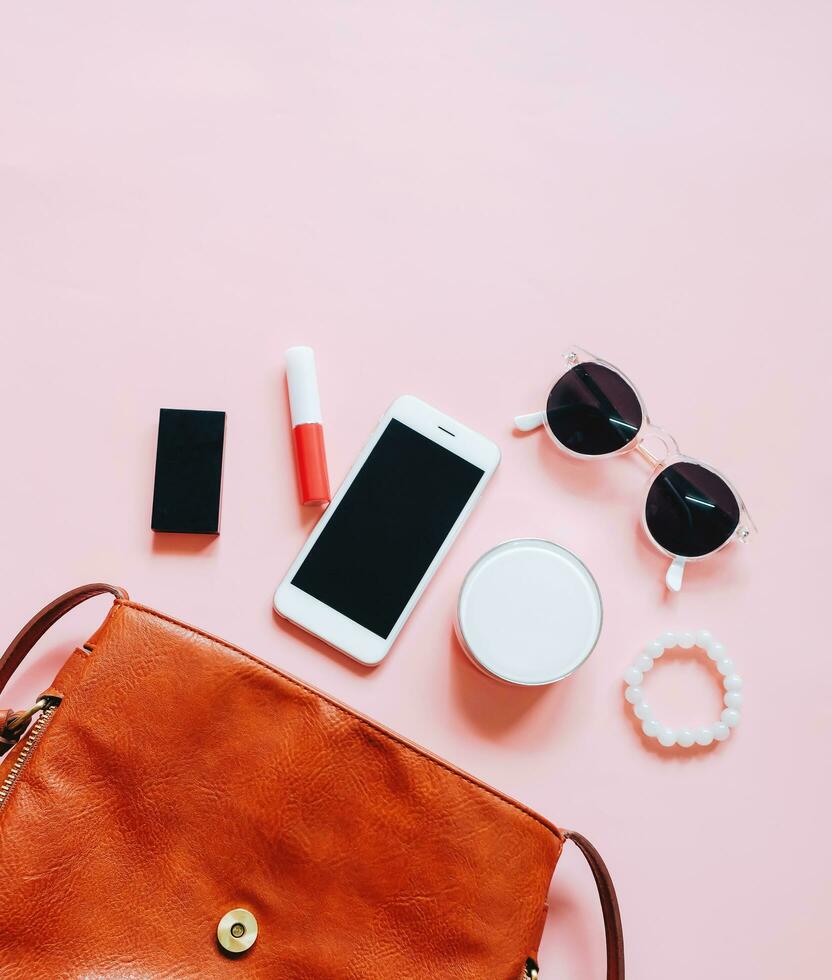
{"x": 237, "y": 931}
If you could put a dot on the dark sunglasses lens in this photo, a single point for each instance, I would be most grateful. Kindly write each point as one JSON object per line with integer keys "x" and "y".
{"x": 691, "y": 511}
{"x": 592, "y": 410}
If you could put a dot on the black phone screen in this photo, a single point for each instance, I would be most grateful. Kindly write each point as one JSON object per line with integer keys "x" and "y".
{"x": 388, "y": 527}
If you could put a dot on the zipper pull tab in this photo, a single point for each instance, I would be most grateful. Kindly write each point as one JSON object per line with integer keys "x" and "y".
{"x": 13, "y": 724}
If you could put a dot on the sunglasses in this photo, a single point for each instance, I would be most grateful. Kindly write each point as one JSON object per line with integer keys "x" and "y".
{"x": 690, "y": 511}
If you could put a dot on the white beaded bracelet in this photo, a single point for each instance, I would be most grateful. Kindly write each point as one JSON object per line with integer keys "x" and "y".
{"x": 685, "y": 737}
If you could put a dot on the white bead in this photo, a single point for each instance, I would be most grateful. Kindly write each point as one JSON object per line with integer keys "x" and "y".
{"x": 733, "y": 699}
{"x": 668, "y": 640}
{"x": 644, "y": 663}
{"x": 725, "y": 666}
{"x": 633, "y": 676}
{"x": 733, "y": 682}
{"x": 651, "y": 727}
{"x": 633, "y": 695}
{"x": 643, "y": 710}
{"x": 667, "y": 737}
{"x": 704, "y": 638}
{"x": 704, "y": 735}
{"x": 686, "y": 640}
{"x": 731, "y": 717}
{"x": 654, "y": 650}
{"x": 684, "y": 737}
{"x": 715, "y": 650}
{"x": 721, "y": 731}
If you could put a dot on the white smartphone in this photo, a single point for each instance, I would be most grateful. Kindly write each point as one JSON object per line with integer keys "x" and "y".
{"x": 376, "y": 547}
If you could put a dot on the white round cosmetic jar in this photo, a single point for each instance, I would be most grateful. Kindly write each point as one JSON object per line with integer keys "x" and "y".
{"x": 529, "y": 612}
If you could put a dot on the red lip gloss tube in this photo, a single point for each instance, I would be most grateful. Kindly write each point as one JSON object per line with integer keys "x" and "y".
{"x": 307, "y": 427}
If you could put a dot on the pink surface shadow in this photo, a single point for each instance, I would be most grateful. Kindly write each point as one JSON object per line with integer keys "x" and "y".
{"x": 494, "y": 706}
{"x": 165, "y": 543}
{"x": 567, "y": 920}
{"x": 587, "y": 478}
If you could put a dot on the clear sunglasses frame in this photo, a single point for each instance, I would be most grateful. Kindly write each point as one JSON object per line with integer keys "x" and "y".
{"x": 647, "y": 433}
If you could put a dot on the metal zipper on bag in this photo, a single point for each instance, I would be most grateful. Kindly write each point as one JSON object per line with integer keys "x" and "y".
{"x": 31, "y": 741}
{"x": 531, "y": 971}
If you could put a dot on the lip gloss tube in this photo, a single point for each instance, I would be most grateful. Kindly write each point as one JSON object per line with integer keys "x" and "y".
{"x": 307, "y": 426}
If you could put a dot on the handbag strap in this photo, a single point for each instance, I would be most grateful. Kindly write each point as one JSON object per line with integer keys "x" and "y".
{"x": 48, "y": 616}
{"x": 609, "y": 905}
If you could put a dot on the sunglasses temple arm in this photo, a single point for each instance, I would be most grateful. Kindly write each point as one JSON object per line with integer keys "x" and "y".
{"x": 526, "y": 423}
{"x": 675, "y": 574}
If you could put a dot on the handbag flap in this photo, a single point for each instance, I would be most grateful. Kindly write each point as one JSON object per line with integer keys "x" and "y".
{"x": 181, "y": 778}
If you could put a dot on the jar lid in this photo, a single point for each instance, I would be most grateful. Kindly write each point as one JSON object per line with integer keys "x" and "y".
{"x": 529, "y": 612}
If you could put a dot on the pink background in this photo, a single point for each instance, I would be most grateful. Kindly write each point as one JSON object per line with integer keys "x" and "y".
{"x": 439, "y": 197}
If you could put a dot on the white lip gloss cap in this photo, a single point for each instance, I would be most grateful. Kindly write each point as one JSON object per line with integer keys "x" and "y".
{"x": 302, "y": 378}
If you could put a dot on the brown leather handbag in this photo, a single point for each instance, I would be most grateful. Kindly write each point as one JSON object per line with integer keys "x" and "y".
{"x": 174, "y": 807}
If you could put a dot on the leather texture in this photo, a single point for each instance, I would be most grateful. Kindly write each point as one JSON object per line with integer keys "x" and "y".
{"x": 179, "y": 777}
